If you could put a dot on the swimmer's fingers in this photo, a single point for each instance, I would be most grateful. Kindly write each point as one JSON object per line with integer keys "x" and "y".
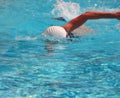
{"x": 118, "y": 15}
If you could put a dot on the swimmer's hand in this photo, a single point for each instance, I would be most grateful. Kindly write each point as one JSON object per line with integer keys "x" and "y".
{"x": 117, "y": 15}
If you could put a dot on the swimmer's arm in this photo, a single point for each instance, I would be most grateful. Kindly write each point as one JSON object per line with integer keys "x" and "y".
{"x": 80, "y": 20}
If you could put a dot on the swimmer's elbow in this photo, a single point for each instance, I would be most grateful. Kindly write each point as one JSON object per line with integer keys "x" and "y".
{"x": 91, "y": 15}
{"x": 87, "y": 15}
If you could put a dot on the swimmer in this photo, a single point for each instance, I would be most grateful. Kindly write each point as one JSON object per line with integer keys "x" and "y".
{"x": 66, "y": 31}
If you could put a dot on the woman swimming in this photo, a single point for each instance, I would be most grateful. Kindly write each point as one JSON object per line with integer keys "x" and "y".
{"x": 66, "y": 30}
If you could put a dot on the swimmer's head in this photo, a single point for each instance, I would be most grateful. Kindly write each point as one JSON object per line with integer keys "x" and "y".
{"x": 55, "y": 31}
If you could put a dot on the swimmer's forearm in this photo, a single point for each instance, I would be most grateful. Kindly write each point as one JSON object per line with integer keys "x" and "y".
{"x": 78, "y": 21}
{"x": 98, "y": 15}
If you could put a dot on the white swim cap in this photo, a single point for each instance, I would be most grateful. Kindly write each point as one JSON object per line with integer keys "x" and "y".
{"x": 56, "y": 31}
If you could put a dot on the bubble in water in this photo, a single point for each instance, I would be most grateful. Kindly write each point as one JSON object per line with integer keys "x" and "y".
{"x": 118, "y": 26}
{"x": 68, "y": 10}
{"x": 95, "y": 5}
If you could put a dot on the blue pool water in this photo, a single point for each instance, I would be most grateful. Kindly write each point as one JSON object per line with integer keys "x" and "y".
{"x": 30, "y": 67}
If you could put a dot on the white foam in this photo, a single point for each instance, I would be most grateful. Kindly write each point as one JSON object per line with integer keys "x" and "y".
{"x": 68, "y": 10}
{"x": 19, "y": 38}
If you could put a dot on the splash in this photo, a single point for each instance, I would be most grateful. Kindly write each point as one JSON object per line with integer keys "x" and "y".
{"x": 67, "y": 10}
{"x": 26, "y": 38}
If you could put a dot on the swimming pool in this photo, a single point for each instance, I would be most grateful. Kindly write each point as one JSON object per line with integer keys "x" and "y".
{"x": 86, "y": 67}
